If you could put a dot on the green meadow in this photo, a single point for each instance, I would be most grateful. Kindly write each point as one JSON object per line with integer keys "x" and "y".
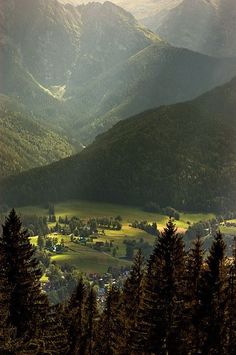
{"x": 87, "y": 209}
{"x": 87, "y": 259}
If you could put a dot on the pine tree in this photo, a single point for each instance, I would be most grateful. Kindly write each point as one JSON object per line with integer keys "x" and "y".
{"x": 6, "y": 329}
{"x": 109, "y": 326}
{"x": 131, "y": 299}
{"x": 232, "y": 304}
{"x": 213, "y": 300}
{"x": 52, "y": 338}
{"x": 91, "y": 315}
{"x": 193, "y": 280}
{"x": 160, "y": 313}
{"x": 74, "y": 318}
{"x": 27, "y": 304}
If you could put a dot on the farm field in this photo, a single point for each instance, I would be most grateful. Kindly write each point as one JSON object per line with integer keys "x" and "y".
{"x": 87, "y": 209}
{"x": 88, "y": 259}
{"x": 228, "y": 230}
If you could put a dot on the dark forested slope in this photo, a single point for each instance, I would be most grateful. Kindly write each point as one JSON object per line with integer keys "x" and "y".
{"x": 181, "y": 155}
{"x": 25, "y": 143}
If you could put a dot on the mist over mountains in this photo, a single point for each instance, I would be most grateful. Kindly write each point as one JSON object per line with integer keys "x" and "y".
{"x": 206, "y": 26}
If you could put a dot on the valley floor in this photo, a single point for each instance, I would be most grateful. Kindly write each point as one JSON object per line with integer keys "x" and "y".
{"x": 88, "y": 259}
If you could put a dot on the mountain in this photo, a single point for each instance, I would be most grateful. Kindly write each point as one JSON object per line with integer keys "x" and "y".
{"x": 213, "y": 33}
{"x": 159, "y": 74}
{"x": 141, "y": 9}
{"x": 206, "y": 26}
{"x": 47, "y": 49}
{"x": 181, "y": 155}
{"x": 53, "y": 41}
{"x": 26, "y": 144}
{"x": 82, "y": 69}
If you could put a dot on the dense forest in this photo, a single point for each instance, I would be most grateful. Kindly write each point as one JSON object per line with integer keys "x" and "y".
{"x": 181, "y": 156}
{"x": 25, "y": 142}
{"x": 177, "y": 302}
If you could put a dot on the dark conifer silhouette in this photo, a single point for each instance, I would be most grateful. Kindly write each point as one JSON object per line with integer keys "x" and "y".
{"x": 91, "y": 317}
{"x": 74, "y": 319}
{"x": 27, "y": 303}
{"x": 179, "y": 304}
{"x": 6, "y": 328}
{"x": 214, "y": 295}
{"x": 109, "y": 326}
{"x": 131, "y": 300}
{"x": 232, "y": 304}
{"x": 193, "y": 280}
{"x": 160, "y": 316}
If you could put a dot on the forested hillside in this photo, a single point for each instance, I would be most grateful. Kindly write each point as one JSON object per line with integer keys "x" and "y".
{"x": 181, "y": 155}
{"x": 26, "y": 144}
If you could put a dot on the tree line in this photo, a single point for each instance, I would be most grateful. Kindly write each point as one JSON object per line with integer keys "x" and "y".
{"x": 176, "y": 303}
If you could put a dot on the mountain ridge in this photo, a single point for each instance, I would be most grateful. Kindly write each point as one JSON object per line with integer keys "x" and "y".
{"x": 181, "y": 155}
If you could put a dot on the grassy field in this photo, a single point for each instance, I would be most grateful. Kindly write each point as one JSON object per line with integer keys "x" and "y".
{"x": 85, "y": 210}
{"x": 86, "y": 259}
{"x": 228, "y": 230}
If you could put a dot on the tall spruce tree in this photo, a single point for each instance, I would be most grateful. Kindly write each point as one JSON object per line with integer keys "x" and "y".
{"x": 109, "y": 326}
{"x": 159, "y": 330}
{"x": 232, "y": 305}
{"x": 131, "y": 299}
{"x": 27, "y": 303}
{"x": 6, "y": 329}
{"x": 213, "y": 300}
{"x": 194, "y": 268}
{"x": 91, "y": 316}
{"x": 74, "y": 319}
{"x": 53, "y": 337}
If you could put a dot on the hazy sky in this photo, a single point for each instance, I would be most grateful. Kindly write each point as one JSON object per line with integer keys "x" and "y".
{"x": 140, "y": 8}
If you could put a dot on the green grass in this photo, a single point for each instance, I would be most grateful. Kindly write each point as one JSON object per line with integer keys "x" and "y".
{"x": 228, "y": 230}
{"x": 86, "y": 259}
{"x": 34, "y": 240}
{"x": 127, "y": 233}
{"x": 231, "y": 220}
{"x": 85, "y": 210}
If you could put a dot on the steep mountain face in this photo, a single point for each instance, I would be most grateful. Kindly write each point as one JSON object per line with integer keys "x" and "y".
{"x": 45, "y": 35}
{"x": 47, "y": 49}
{"x": 205, "y": 26}
{"x": 141, "y": 9}
{"x": 159, "y": 74}
{"x": 24, "y": 143}
{"x": 55, "y": 41}
{"x": 82, "y": 69}
{"x": 181, "y": 155}
{"x": 109, "y": 36}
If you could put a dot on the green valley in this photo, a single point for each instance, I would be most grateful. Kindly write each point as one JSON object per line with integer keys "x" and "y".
{"x": 91, "y": 259}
